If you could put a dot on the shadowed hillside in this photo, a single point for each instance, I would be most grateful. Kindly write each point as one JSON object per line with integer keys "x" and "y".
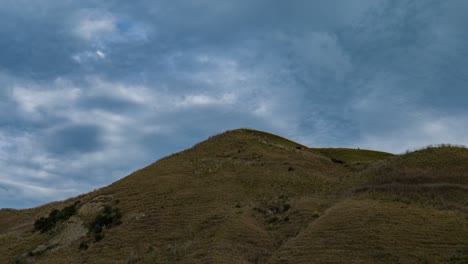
{"x": 247, "y": 196}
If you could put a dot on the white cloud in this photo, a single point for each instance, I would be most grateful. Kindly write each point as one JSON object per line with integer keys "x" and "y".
{"x": 98, "y": 87}
{"x": 31, "y": 191}
{"x": 100, "y": 54}
{"x": 87, "y": 56}
{"x": 220, "y": 73}
{"x": 32, "y": 98}
{"x": 90, "y": 28}
{"x": 147, "y": 111}
{"x": 100, "y": 28}
{"x": 423, "y": 130}
{"x": 205, "y": 100}
{"x": 28, "y": 173}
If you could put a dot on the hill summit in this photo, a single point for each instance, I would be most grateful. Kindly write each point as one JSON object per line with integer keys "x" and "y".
{"x": 246, "y": 196}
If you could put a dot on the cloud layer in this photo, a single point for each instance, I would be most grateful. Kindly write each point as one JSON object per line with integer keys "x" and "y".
{"x": 92, "y": 90}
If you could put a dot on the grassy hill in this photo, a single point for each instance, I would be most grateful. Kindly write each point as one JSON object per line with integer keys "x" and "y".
{"x": 247, "y": 196}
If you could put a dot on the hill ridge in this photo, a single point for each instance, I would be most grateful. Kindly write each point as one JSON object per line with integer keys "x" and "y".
{"x": 248, "y": 196}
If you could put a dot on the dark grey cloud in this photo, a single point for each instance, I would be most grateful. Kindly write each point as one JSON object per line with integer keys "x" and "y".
{"x": 92, "y": 90}
{"x": 75, "y": 138}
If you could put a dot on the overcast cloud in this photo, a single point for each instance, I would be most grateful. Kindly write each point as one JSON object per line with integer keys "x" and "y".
{"x": 93, "y": 90}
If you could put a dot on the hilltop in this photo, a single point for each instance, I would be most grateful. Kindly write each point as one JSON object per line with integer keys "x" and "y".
{"x": 247, "y": 196}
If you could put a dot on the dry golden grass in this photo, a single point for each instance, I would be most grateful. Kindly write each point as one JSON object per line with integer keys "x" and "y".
{"x": 246, "y": 196}
{"x": 373, "y": 231}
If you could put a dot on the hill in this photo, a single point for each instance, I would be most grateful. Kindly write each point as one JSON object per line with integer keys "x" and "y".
{"x": 247, "y": 196}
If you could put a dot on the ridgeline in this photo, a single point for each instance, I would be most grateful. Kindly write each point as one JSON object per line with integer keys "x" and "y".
{"x": 247, "y": 196}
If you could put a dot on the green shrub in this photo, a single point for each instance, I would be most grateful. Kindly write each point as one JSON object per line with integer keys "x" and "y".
{"x": 45, "y": 224}
{"x": 108, "y": 218}
{"x": 67, "y": 212}
{"x": 316, "y": 214}
{"x": 273, "y": 220}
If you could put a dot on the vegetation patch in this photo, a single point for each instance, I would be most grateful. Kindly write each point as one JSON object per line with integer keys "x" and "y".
{"x": 316, "y": 214}
{"x": 108, "y": 218}
{"x": 177, "y": 250}
{"x": 273, "y": 209}
{"x": 134, "y": 258}
{"x": 273, "y": 212}
{"x": 45, "y": 224}
{"x": 83, "y": 245}
{"x": 337, "y": 161}
{"x": 459, "y": 257}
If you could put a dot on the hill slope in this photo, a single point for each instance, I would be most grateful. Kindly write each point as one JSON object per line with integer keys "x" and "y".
{"x": 247, "y": 196}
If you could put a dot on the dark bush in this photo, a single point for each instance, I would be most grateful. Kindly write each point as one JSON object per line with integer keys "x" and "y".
{"x": 108, "y": 218}
{"x": 44, "y": 224}
{"x": 83, "y": 245}
{"x": 67, "y": 212}
{"x": 273, "y": 220}
{"x": 98, "y": 236}
{"x": 337, "y": 161}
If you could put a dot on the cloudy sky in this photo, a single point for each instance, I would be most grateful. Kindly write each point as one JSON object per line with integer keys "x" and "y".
{"x": 92, "y": 90}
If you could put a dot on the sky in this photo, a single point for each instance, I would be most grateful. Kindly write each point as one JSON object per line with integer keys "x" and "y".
{"x": 92, "y": 90}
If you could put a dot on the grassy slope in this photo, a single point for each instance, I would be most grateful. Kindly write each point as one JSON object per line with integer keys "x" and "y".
{"x": 226, "y": 201}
